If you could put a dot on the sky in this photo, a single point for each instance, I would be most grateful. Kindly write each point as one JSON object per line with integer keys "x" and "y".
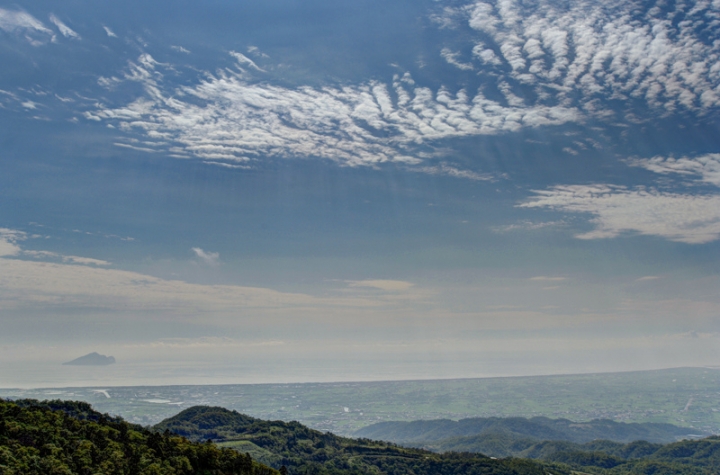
{"x": 282, "y": 191}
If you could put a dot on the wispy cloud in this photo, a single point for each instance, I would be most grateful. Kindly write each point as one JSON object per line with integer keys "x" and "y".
{"x": 65, "y": 30}
{"x": 449, "y": 170}
{"x": 19, "y": 20}
{"x": 209, "y": 258}
{"x": 37, "y": 286}
{"x": 227, "y": 165}
{"x": 705, "y": 167}
{"x": 86, "y": 261}
{"x": 9, "y": 246}
{"x": 226, "y": 118}
{"x": 452, "y": 58}
{"x": 254, "y": 50}
{"x": 180, "y": 49}
{"x": 617, "y": 210}
{"x": 244, "y": 60}
{"x": 527, "y": 226}
{"x": 109, "y": 32}
{"x": 386, "y": 285}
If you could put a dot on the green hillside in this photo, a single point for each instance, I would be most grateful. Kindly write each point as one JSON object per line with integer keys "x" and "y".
{"x": 306, "y": 451}
{"x": 65, "y": 438}
{"x": 303, "y": 450}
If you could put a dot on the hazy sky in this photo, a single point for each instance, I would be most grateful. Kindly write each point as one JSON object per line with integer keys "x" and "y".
{"x": 312, "y": 191}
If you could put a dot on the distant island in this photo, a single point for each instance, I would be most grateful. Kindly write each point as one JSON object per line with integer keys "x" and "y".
{"x": 92, "y": 359}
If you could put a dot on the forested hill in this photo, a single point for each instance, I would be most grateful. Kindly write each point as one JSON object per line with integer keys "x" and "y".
{"x": 430, "y": 432}
{"x": 307, "y": 451}
{"x": 65, "y": 438}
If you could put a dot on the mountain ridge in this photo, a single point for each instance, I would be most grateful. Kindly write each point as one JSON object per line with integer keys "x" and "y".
{"x": 423, "y": 432}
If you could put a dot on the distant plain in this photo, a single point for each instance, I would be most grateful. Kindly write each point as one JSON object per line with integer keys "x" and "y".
{"x": 688, "y": 397}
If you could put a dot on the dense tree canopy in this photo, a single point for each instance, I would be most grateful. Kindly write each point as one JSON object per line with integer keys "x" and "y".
{"x": 64, "y": 438}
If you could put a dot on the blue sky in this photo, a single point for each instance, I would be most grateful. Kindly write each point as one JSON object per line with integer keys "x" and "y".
{"x": 362, "y": 190}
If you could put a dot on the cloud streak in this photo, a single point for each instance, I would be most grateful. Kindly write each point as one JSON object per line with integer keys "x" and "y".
{"x": 706, "y": 167}
{"x": 65, "y": 30}
{"x": 18, "y": 20}
{"x": 386, "y": 285}
{"x": 226, "y": 118}
{"x": 618, "y": 210}
{"x": 209, "y": 258}
{"x": 9, "y": 247}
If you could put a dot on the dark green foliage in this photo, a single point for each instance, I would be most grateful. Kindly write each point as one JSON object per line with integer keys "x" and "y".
{"x": 582, "y": 459}
{"x": 75, "y": 409}
{"x": 633, "y": 450}
{"x": 59, "y": 438}
{"x": 305, "y": 451}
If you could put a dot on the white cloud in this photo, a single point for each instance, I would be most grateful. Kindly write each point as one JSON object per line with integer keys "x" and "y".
{"x": 65, "y": 30}
{"x": 616, "y": 210}
{"x": 225, "y": 118}
{"x": 109, "y": 32}
{"x": 447, "y": 18}
{"x": 180, "y": 49}
{"x": 448, "y": 170}
{"x": 242, "y": 59}
{"x": 8, "y": 248}
{"x": 86, "y": 261}
{"x": 14, "y": 21}
{"x": 227, "y": 165}
{"x": 452, "y": 58}
{"x": 41, "y": 254}
{"x": 486, "y": 55}
{"x": 613, "y": 50}
{"x": 254, "y": 50}
{"x": 582, "y": 59}
{"x": 707, "y": 167}
{"x": 386, "y": 285}
{"x": 527, "y": 226}
{"x": 135, "y": 147}
{"x": 209, "y": 258}
{"x": 8, "y": 241}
